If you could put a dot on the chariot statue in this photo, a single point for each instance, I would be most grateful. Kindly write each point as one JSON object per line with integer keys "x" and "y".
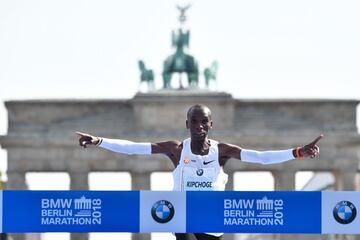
{"x": 180, "y": 62}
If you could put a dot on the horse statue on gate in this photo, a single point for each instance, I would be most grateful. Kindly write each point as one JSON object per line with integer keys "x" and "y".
{"x": 180, "y": 62}
{"x": 146, "y": 75}
{"x": 210, "y": 73}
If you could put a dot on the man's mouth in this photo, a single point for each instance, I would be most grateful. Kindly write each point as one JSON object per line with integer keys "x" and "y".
{"x": 200, "y": 133}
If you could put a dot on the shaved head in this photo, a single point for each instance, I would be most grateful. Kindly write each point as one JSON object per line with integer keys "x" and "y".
{"x": 198, "y": 107}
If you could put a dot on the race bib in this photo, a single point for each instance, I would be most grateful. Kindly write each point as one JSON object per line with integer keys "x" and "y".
{"x": 201, "y": 179}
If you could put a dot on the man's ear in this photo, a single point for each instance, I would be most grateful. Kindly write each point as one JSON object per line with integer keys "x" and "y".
{"x": 187, "y": 124}
{"x": 211, "y": 124}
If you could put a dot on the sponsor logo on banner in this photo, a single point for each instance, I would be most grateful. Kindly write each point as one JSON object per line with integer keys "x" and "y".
{"x": 254, "y": 212}
{"x": 344, "y": 212}
{"x": 71, "y": 211}
{"x": 162, "y": 211}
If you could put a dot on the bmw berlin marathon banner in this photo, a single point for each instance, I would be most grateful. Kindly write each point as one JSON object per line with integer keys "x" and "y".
{"x": 70, "y": 211}
{"x": 192, "y": 211}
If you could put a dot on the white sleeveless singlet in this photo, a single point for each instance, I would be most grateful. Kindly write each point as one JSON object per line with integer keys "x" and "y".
{"x": 199, "y": 173}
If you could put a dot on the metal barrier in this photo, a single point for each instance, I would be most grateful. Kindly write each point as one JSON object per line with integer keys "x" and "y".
{"x": 193, "y": 211}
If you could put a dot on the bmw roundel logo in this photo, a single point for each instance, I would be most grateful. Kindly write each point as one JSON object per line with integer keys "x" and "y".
{"x": 162, "y": 211}
{"x": 200, "y": 172}
{"x": 344, "y": 212}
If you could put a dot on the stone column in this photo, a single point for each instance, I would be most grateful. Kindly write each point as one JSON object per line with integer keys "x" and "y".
{"x": 345, "y": 181}
{"x": 16, "y": 181}
{"x": 230, "y": 183}
{"x": 141, "y": 236}
{"x": 357, "y": 182}
{"x": 284, "y": 180}
{"x": 228, "y": 236}
{"x": 79, "y": 181}
{"x": 79, "y": 236}
{"x": 17, "y": 236}
{"x": 140, "y": 181}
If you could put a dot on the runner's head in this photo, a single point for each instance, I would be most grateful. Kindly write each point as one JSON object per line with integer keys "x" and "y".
{"x": 199, "y": 121}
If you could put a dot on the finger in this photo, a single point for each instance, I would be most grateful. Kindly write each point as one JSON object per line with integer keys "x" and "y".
{"x": 84, "y": 144}
{"x": 81, "y": 142}
{"x": 81, "y": 134}
{"x": 315, "y": 148}
{"x": 316, "y": 140}
{"x": 312, "y": 153}
{"x": 316, "y": 153}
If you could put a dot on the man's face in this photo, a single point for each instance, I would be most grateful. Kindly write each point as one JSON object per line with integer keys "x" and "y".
{"x": 199, "y": 123}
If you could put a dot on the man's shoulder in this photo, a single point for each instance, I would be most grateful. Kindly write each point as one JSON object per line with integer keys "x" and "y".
{"x": 226, "y": 146}
{"x": 172, "y": 143}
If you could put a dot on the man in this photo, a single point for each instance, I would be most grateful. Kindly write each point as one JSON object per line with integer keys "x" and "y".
{"x": 199, "y": 161}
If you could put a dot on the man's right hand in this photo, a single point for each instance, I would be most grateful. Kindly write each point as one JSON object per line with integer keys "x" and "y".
{"x": 87, "y": 139}
{"x": 311, "y": 149}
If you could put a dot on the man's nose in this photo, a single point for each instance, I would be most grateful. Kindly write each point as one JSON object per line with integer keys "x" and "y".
{"x": 199, "y": 126}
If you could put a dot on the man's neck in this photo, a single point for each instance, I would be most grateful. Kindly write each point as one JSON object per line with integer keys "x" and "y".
{"x": 200, "y": 146}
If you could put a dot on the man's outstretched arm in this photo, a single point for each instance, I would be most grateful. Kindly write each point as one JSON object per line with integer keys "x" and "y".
{"x": 269, "y": 157}
{"x": 125, "y": 146}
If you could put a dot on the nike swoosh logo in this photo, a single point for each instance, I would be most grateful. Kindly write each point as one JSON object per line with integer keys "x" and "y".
{"x": 206, "y": 163}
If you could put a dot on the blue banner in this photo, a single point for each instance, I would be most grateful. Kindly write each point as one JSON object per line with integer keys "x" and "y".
{"x": 250, "y": 212}
{"x": 192, "y": 211}
{"x": 70, "y": 211}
